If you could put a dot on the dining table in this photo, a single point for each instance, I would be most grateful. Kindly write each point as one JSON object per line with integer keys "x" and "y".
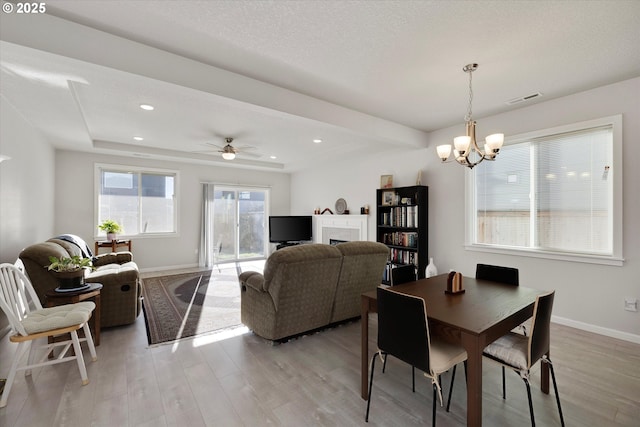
{"x": 484, "y": 312}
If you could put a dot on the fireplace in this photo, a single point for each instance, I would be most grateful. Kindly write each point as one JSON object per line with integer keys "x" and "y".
{"x": 339, "y": 227}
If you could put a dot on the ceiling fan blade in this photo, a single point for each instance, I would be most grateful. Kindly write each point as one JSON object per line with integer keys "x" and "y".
{"x": 211, "y": 144}
{"x": 245, "y": 148}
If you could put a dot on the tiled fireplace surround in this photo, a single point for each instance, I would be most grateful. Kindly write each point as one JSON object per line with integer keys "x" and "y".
{"x": 339, "y": 227}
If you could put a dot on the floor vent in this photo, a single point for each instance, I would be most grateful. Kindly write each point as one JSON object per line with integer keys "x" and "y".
{"x": 523, "y": 98}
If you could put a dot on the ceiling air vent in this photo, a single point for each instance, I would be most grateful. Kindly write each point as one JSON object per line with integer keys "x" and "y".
{"x": 523, "y": 98}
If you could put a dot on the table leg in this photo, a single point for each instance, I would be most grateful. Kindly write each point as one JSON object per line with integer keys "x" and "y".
{"x": 364, "y": 347}
{"x": 474, "y": 348}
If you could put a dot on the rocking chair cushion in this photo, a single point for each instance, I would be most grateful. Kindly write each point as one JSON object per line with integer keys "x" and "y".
{"x": 58, "y": 317}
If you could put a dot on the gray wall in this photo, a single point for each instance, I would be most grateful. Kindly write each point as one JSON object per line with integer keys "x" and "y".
{"x": 588, "y": 296}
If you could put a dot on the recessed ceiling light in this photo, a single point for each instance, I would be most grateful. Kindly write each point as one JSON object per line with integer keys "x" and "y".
{"x": 273, "y": 157}
{"x": 317, "y": 141}
{"x": 147, "y": 107}
{"x": 138, "y": 138}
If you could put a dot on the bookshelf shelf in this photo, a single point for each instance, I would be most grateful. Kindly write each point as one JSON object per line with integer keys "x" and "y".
{"x": 402, "y": 225}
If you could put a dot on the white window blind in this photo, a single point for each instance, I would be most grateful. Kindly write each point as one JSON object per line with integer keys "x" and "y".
{"x": 549, "y": 193}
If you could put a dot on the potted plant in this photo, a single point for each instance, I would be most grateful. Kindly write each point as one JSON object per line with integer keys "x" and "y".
{"x": 69, "y": 270}
{"x": 110, "y": 227}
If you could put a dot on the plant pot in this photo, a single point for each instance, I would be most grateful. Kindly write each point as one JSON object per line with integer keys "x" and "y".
{"x": 70, "y": 279}
{"x": 111, "y": 237}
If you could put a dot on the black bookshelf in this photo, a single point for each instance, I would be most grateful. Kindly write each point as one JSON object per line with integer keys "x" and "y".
{"x": 402, "y": 215}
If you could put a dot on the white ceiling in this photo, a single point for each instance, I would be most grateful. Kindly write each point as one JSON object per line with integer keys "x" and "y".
{"x": 360, "y": 75}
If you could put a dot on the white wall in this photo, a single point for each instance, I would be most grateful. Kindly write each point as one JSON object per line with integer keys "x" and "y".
{"x": 26, "y": 186}
{"x": 587, "y": 295}
{"x": 75, "y": 209}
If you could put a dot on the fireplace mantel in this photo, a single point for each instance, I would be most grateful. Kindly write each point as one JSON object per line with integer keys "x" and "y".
{"x": 339, "y": 227}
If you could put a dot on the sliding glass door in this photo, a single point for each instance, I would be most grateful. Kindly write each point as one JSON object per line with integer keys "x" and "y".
{"x": 239, "y": 223}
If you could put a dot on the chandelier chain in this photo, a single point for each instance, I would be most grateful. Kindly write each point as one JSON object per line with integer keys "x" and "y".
{"x": 468, "y": 117}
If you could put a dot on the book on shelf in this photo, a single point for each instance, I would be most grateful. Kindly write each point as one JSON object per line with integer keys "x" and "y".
{"x": 407, "y": 239}
{"x": 401, "y": 216}
{"x": 401, "y": 256}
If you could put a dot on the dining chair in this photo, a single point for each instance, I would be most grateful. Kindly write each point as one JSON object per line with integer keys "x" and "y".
{"x": 520, "y": 352}
{"x": 509, "y": 276}
{"x": 403, "y": 274}
{"x": 403, "y": 332}
{"x": 496, "y": 273}
{"x": 30, "y": 322}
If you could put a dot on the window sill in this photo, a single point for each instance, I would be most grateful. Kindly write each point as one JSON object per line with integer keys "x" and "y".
{"x": 139, "y": 236}
{"x": 558, "y": 256}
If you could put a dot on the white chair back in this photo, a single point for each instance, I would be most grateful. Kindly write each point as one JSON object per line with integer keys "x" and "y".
{"x": 17, "y": 296}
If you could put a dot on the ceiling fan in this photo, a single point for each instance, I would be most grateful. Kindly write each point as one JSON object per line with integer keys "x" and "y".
{"x": 229, "y": 151}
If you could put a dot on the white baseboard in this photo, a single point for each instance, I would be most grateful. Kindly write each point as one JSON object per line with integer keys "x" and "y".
{"x": 597, "y": 329}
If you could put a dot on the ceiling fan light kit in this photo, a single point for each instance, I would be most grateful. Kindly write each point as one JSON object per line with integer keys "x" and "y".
{"x": 465, "y": 145}
{"x": 228, "y": 152}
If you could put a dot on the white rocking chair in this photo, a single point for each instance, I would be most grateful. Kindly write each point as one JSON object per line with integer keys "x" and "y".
{"x": 29, "y": 322}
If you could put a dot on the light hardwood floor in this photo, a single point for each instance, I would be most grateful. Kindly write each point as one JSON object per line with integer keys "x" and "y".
{"x": 245, "y": 381}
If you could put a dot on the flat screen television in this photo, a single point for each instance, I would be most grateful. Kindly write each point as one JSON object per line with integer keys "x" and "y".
{"x": 283, "y": 229}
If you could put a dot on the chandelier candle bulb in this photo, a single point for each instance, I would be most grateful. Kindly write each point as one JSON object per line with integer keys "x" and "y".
{"x": 444, "y": 151}
{"x": 462, "y": 143}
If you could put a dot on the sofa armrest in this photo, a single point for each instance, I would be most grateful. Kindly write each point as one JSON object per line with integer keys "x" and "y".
{"x": 252, "y": 279}
{"x": 112, "y": 258}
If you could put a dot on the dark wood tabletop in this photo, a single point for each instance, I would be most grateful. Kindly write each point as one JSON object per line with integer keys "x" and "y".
{"x": 483, "y": 313}
{"x": 483, "y": 305}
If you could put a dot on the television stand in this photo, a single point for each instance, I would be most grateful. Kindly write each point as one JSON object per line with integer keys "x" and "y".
{"x": 286, "y": 244}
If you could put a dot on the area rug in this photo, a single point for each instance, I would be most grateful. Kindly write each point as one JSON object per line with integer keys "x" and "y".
{"x": 190, "y": 304}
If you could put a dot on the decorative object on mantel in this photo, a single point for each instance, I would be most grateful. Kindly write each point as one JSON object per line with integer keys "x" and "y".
{"x": 431, "y": 269}
{"x": 341, "y": 206}
{"x": 326, "y": 210}
{"x": 110, "y": 227}
{"x": 454, "y": 283}
{"x": 465, "y": 145}
{"x": 364, "y": 210}
{"x": 386, "y": 181}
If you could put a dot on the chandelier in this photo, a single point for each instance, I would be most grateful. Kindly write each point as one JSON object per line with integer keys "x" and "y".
{"x": 466, "y": 150}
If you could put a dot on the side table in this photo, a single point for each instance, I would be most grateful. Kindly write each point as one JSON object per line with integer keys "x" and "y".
{"x": 112, "y": 244}
{"x": 92, "y": 292}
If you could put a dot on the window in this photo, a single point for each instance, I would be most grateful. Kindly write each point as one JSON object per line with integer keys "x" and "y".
{"x": 142, "y": 201}
{"x": 554, "y": 193}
